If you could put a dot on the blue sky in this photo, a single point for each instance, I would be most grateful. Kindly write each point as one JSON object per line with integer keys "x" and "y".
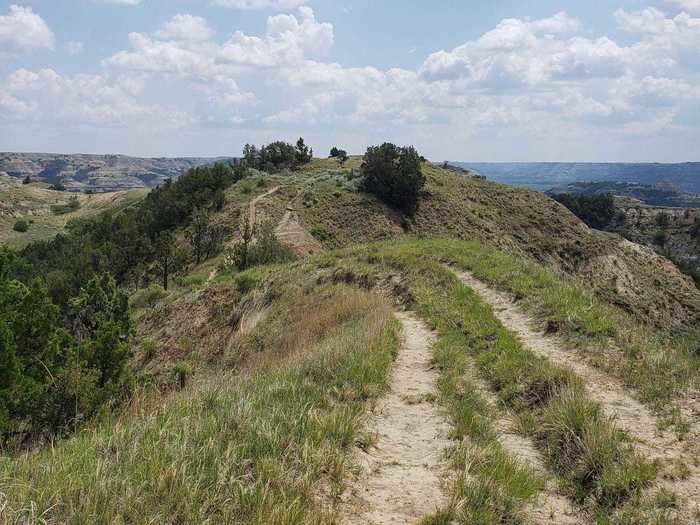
{"x": 472, "y": 80}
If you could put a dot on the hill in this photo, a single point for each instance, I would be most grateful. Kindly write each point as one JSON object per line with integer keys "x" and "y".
{"x": 47, "y": 211}
{"x": 546, "y": 175}
{"x": 489, "y": 360}
{"x": 99, "y": 173}
{"x": 658, "y": 195}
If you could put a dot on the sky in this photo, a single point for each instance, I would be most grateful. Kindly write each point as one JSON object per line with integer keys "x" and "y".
{"x": 497, "y": 80}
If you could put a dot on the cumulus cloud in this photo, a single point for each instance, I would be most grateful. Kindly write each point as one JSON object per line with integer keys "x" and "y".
{"x": 186, "y": 27}
{"x": 119, "y": 2}
{"x": 22, "y": 29}
{"x": 288, "y": 40}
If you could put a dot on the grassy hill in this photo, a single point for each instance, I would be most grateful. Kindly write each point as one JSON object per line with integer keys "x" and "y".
{"x": 255, "y": 388}
{"x": 43, "y": 209}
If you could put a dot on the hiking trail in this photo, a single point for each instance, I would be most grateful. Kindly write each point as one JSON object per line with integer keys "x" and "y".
{"x": 402, "y": 475}
{"x": 629, "y": 414}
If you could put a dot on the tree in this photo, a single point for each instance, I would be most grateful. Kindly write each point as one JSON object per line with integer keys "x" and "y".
{"x": 241, "y": 248}
{"x": 394, "y": 175}
{"x": 165, "y": 248}
{"x": 204, "y": 237}
{"x": 663, "y": 220}
{"x": 597, "y": 211}
{"x": 334, "y": 152}
{"x": 303, "y": 154}
{"x": 342, "y": 157}
{"x": 27, "y": 180}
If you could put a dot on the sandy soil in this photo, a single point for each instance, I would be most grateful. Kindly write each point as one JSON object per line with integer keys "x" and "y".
{"x": 402, "y": 475}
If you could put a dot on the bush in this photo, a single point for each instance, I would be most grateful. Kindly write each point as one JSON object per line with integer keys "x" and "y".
{"x": 21, "y": 226}
{"x": 663, "y": 220}
{"x": 72, "y": 205}
{"x": 394, "y": 175}
{"x": 148, "y": 296}
{"x": 660, "y": 238}
{"x": 257, "y": 248}
{"x": 277, "y": 156}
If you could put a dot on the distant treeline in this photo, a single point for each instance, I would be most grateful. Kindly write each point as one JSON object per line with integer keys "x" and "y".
{"x": 597, "y": 211}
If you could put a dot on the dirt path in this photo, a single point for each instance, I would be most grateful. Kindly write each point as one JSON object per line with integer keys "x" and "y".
{"x": 401, "y": 477}
{"x": 294, "y": 236}
{"x": 630, "y": 415}
{"x": 252, "y": 207}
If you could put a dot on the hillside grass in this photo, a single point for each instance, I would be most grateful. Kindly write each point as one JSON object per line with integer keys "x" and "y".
{"x": 659, "y": 367}
{"x": 593, "y": 460}
{"x": 34, "y": 203}
{"x": 258, "y": 445}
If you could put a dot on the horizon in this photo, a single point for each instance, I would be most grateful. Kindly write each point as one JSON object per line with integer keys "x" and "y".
{"x": 544, "y": 82}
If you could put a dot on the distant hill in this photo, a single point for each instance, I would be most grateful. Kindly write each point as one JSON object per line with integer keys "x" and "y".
{"x": 546, "y": 175}
{"x": 657, "y": 195}
{"x": 99, "y": 173}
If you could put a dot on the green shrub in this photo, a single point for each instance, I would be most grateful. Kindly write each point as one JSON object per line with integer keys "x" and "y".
{"x": 181, "y": 373}
{"x": 72, "y": 205}
{"x": 394, "y": 175}
{"x": 21, "y": 226}
{"x": 148, "y": 296}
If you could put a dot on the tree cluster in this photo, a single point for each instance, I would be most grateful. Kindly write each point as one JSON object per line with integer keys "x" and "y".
{"x": 59, "y": 365}
{"x": 394, "y": 175}
{"x": 339, "y": 154}
{"x": 277, "y": 156}
{"x": 597, "y": 211}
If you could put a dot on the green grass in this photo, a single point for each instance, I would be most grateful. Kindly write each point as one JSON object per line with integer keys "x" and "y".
{"x": 251, "y": 448}
{"x": 593, "y": 460}
{"x": 658, "y": 366}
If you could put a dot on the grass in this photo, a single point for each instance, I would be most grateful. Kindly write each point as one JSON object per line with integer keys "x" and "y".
{"x": 257, "y": 447}
{"x": 34, "y": 203}
{"x": 658, "y": 366}
{"x": 593, "y": 460}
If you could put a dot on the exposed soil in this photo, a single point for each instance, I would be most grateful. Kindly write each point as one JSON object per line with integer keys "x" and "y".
{"x": 294, "y": 236}
{"x": 630, "y": 415}
{"x": 252, "y": 210}
{"x": 402, "y": 475}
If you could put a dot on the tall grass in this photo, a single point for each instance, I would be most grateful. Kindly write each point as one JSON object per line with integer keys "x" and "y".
{"x": 258, "y": 448}
{"x": 602, "y": 471}
{"x": 659, "y": 366}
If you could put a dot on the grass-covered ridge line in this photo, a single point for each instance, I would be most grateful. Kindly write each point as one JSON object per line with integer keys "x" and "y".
{"x": 660, "y": 367}
{"x": 253, "y": 448}
{"x": 593, "y": 460}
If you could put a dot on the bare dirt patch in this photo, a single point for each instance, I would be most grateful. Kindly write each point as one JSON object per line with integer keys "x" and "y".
{"x": 402, "y": 475}
{"x": 294, "y": 236}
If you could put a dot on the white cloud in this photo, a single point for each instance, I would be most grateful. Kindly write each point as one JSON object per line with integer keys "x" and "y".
{"x": 689, "y": 5}
{"x": 185, "y": 27}
{"x": 22, "y": 29}
{"x": 288, "y": 40}
{"x": 280, "y": 5}
{"x": 97, "y": 100}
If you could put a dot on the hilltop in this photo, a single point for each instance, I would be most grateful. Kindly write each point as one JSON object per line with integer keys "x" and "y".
{"x": 657, "y": 195}
{"x": 98, "y": 173}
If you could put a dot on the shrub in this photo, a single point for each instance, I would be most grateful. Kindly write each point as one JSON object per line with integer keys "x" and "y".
{"x": 27, "y": 180}
{"x": 58, "y": 186}
{"x": 660, "y": 238}
{"x": 663, "y": 220}
{"x": 148, "y": 296}
{"x": 21, "y": 226}
{"x": 72, "y": 205}
{"x": 258, "y": 247}
{"x": 394, "y": 175}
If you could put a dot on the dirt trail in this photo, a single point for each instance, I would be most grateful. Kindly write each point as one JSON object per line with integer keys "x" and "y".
{"x": 630, "y": 415}
{"x": 294, "y": 236}
{"x": 252, "y": 207}
{"x": 401, "y": 478}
